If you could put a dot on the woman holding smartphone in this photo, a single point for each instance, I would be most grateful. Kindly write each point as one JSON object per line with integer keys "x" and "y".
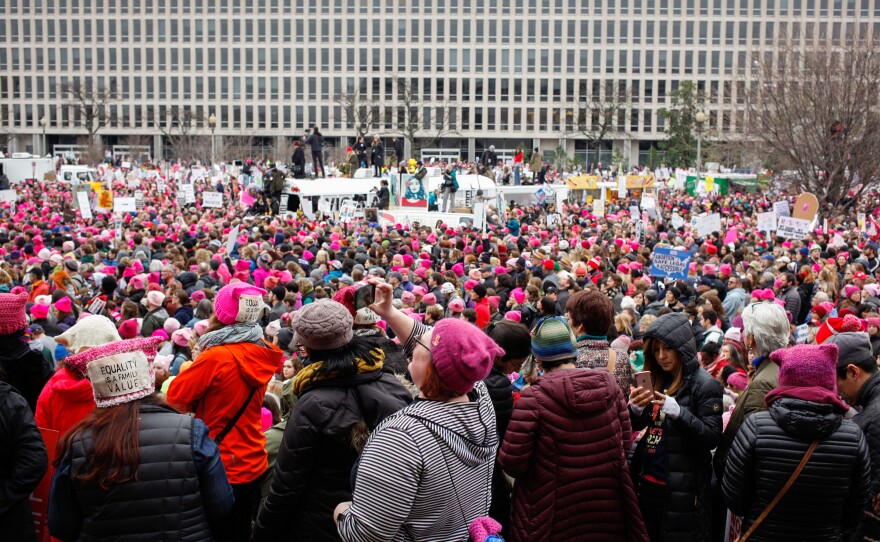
{"x": 681, "y": 409}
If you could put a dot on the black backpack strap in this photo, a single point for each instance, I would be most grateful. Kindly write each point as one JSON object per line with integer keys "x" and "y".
{"x": 235, "y": 418}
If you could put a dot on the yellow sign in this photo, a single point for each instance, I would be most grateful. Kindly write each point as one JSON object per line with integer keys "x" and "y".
{"x": 582, "y": 182}
{"x": 710, "y": 183}
{"x": 640, "y": 181}
{"x": 105, "y": 199}
{"x": 96, "y": 187}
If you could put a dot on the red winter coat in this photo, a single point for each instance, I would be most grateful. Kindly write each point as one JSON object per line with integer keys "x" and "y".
{"x": 64, "y": 402}
{"x": 566, "y": 446}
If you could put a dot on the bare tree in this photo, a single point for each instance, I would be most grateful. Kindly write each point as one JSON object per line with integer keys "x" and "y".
{"x": 91, "y": 107}
{"x": 236, "y": 147}
{"x": 178, "y": 125}
{"x": 6, "y": 136}
{"x": 410, "y": 116}
{"x": 814, "y": 109}
{"x": 137, "y": 145}
{"x": 360, "y": 113}
{"x": 601, "y": 116}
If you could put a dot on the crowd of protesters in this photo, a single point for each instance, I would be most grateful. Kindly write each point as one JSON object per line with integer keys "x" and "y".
{"x": 534, "y": 380}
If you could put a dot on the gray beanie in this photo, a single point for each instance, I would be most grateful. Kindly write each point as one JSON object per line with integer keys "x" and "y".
{"x": 852, "y": 348}
{"x": 323, "y": 325}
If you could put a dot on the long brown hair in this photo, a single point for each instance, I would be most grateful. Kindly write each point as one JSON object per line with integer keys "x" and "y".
{"x": 115, "y": 453}
{"x": 658, "y": 375}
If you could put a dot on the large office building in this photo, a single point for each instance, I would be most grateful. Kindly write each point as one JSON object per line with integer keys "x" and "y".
{"x": 506, "y": 73}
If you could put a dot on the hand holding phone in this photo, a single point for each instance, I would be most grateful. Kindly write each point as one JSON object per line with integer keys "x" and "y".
{"x": 364, "y": 296}
{"x": 643, "y": 380}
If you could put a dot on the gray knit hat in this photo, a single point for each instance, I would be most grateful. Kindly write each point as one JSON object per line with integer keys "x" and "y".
{"x": 322, "y": 325}
{"x": 852, "y": 348}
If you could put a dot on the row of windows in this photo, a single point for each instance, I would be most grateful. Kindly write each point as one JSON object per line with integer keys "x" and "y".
{"x": 443, "y": 7}
{"x": 297, "y": 118}
{"x": 262, "y": 61}
{"x": 367, "y": 92}
{"x": 400, "y": 30}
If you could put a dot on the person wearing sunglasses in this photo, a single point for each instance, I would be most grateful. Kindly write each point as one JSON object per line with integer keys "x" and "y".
{"x": 426, "y": 472}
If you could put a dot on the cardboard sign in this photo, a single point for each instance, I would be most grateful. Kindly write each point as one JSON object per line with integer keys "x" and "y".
{"x": 124, "y": 205}
{"x": 767, "y": 221}
{"x": 708, "y": 224}
{"x": 82, "y": 200}
{"x": 670, "y": 263}
{"x": 781, "y": 208}
{"x": 105, "y": 199}
{"x": 212, "y": 199}
{"x": 805, "y": 207}
{"x": 789, "y": 227}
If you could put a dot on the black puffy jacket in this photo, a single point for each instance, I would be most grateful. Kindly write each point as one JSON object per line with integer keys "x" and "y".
{"x": 868, "y": 421}
{"x": 501, "y": 392}
{"x": 25, "y": 370}
{"x": 828, "y": 497}
{"x": 690, "y": 438}
{"x": 322, "y": 441}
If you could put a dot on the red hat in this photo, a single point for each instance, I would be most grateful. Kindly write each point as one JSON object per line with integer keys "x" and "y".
{"x": 848, "y": 324}
{"x": 548, "y": 265}
{"x": 594, "y": 263}
{"x": 711, "y": 249}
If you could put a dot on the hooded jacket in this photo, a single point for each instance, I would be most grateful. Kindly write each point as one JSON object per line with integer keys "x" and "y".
{"x": 830, "y": 494}
{"x": 23, "y": 462}
{"x": 690, "y": 438}
{"x": 26, "y": 370}
{"x": 215, "y": 386}
{"x": 65, "y": 401}
{"x": 570, "y": 435}
{"x": 327, "y": 429}
{"x": 425, "y": 473}
{"x": 868, "y": 421}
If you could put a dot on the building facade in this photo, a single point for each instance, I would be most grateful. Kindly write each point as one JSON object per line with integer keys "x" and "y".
{"x": 511, "y": 73}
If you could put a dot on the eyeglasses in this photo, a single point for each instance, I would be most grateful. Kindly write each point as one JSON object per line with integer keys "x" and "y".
{"x": 423, "y": 345}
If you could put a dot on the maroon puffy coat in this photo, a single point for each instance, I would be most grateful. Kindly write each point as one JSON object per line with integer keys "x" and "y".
{"x": 566, "y": 446}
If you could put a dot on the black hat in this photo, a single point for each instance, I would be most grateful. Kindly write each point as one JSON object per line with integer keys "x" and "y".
{"x": 480, "y": 290}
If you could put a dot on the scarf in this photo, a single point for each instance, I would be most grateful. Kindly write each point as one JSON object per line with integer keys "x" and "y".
{"x": 236, "y": 333}
{"x": 310, "y": 373}
{"x": 814, "y": 394}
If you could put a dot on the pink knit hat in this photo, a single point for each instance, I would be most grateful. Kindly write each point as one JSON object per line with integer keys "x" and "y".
{"x": 129, "y": 329}
{"x": 460, "y": 356}
{"x": 12, "y": 314}
{"x": 39, "y": 311}
{"x": 456, "y": 305}
{"x": 408, "y": 298}
{"x": 64, "y": 304}
{"x": 239, "y": 303}
{"x": 171, "y": 325}
{"x": 119, "y": 372}
{"x": 429, "y": 299}
{"x": 514, "y": 316}
{"x": 807, "y": 365}
{"x": 181, "y": 337}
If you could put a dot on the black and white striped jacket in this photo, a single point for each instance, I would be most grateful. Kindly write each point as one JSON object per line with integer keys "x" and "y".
{"x": 425, "y": 473}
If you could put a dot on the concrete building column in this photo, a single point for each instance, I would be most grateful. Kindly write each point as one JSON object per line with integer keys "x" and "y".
{"x": 472, "y": 149}
{"x": 158, "y": 150}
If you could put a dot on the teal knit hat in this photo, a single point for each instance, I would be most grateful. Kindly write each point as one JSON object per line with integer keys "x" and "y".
{"x": 553, "y": 340}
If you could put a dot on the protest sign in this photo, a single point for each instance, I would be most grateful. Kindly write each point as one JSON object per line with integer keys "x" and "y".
{"x": 82, "y": 200}
{"x": 633, "y": 212}
{"x": 105, "y": 200}
{"x": 160, "y": 185}
{"x": 670, "y": 263}
{"x": 621, "y": 186}
{"x": 708, "y": 224}
{"x": 806, "y": 206}
{"x": 781, "y": 208}
{"x": 767, "y": 221}
{"x": 480, "y": 215}
{"x": 8, "y": 196}
{"x": 139, "y": 199}
{"x": 189, "y": 193}
{"x": 677, "y": 221}
{"x": 231, "y": 240}
{"x": 648, "y": 202}
{"x": 124, "y": 205}
{"x": 598, "y": 207}
{"x": 134, "y": 183}
{"x": 212, "y": 199}
{"x": 802, "y": 334}
{"x": 346, "y": 213}
{"x": 793, "y": 228}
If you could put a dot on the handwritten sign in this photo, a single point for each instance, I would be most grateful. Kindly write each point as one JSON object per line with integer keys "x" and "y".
{"x": 670, "y": 263}
{"x": 767, "y": 221}
{"x": 139, "y": 199}
{"x": 82, "y": 200}
{"x": 677, "y": 221}
{"x": 8, "y": 196}
{"x": 789, "y": 227}
{"x": 189, "y": 193}
{"x": 781, "y": 208}
{"x": 124, "y": 205}
{"x": 250, "y": 307}
{"x": 802, "y": 334}
{"x": 709, "y": 224}
{"x": 599, "y": 207}
{"x": 212, "y": 199}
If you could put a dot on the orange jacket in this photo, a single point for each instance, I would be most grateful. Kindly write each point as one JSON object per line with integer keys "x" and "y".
{"x": 41, "y": 287}
{"x": 215, "y": 386}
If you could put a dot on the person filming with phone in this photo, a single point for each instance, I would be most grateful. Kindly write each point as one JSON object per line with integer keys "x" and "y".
{"x": 680, "y": 405}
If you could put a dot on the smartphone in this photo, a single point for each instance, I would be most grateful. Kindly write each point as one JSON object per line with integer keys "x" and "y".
{"x": 643, "y": 380}
{"x": 364, "y": 296}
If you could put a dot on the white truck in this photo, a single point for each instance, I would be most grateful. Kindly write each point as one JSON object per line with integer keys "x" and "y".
{"x": 22, "y": 166}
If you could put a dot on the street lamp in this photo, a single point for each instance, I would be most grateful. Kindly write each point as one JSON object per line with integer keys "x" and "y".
{"x": 212, "y": 122}
{"x": 43, "y": 122}
{"x": 700, "y": 117}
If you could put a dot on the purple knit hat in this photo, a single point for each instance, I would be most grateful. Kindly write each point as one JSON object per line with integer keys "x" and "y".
{"x": 120, "y": 372}
{"x": 460, "y": 356}
{"x": 239, "y": 303}
{"x": 807, "y": 366}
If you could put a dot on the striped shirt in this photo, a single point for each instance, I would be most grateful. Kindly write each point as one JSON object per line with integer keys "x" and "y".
{"x": 425, "y": 474}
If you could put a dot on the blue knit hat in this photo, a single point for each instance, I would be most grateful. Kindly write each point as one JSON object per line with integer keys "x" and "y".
{"x": 553, "y": 340}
